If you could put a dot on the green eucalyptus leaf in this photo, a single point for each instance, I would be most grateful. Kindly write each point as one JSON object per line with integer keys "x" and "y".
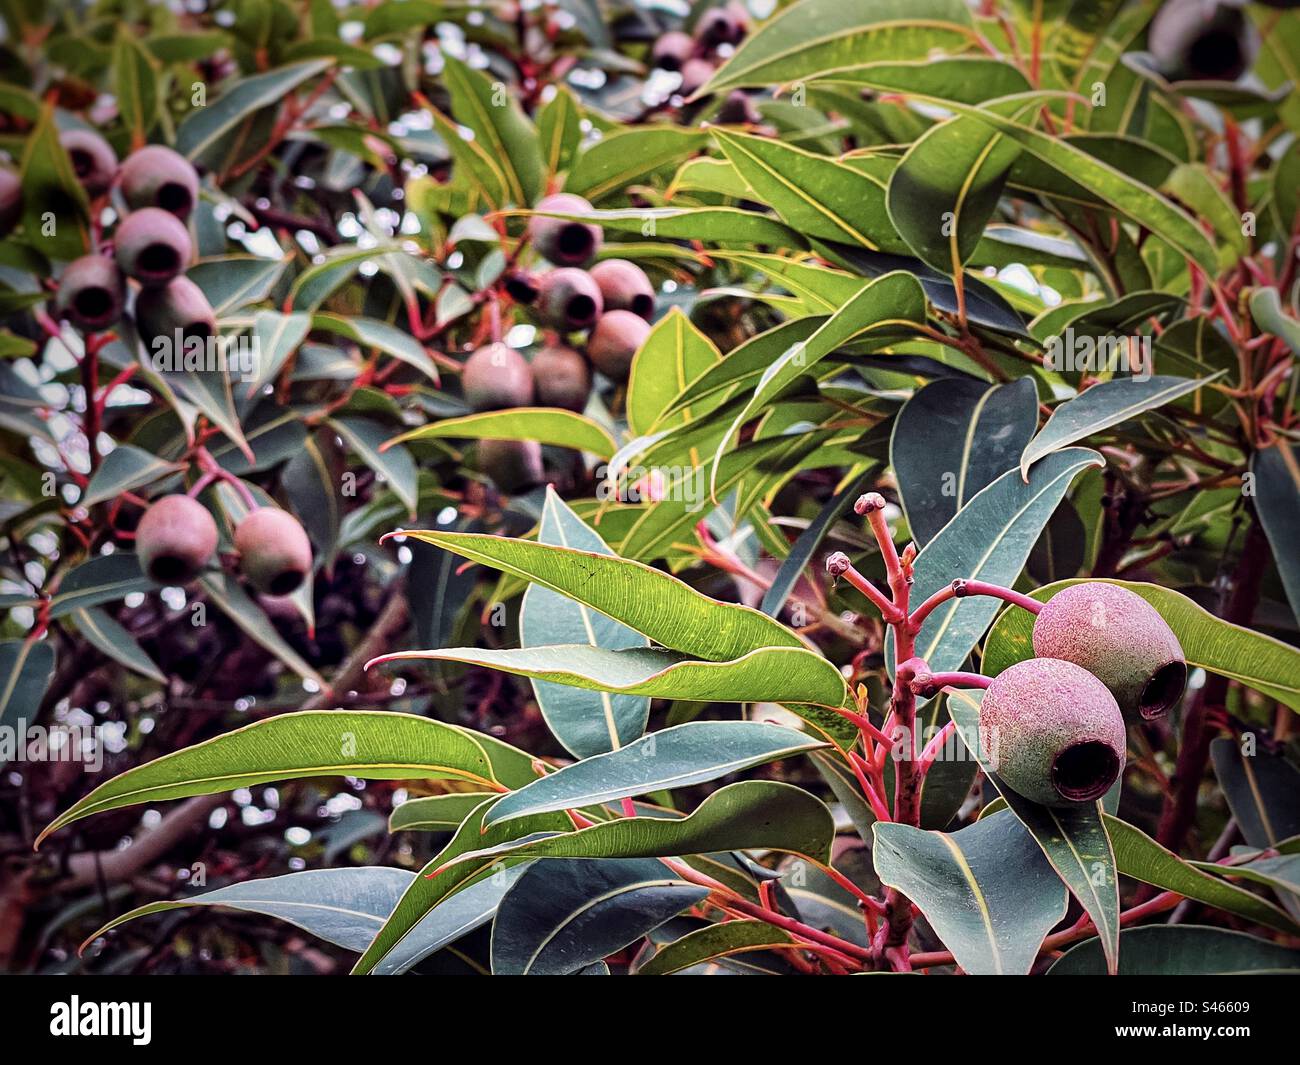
{"x": 1180, "y": 950}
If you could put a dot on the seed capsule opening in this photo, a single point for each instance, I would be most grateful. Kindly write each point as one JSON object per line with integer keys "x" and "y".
{"x": 94, "y": 303}
{"x": 580, "y": 310}
{"x": 642, "y": 305}
{"x": 1085, "y": 771}
{"x": 159, "y": 260}
{"x": 576, "y": 242}
{"x": 1163, "y": 690}
{"x": 83, "y": 162}
{"x": 169, "y": 569}
{"x": 175, "y": 197}
{"x": 284, "y": 583}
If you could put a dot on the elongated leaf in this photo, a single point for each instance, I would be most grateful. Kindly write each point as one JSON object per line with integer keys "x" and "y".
{"x": 372, "y": 333}
{"x": 1180, "y": 950}
{"x": 546, "y": 425}
{"x": 205, "y": 127}
{"x": 104, "y": 579}
{"x": 1281, "y": 873}
{"x": 371, "y": 744}
{"x": 492, "y": 113}
{"x": 1073, "y": 838}
{"x": 812, "y": 193}
{"x": 559, "y": 130}
{"x": 585, "y": 723}
{"x": 243, "y": 610}
{"x": 562, "y": 916}
{"x": 125, "y": 469}
{"x": 1263, "y": 792}
{"x": 435, "y": 813}
{"x": 1101, "y": 406}
{"x": 989, "y": 540}
{"x": 751, "y": 814}
{"x": 25, "y": 672}
{"x": 1258, "y": 661}
{"x": 278, "y": 336}
{"x": 723, "y": 225}
{"x": 1277, "y": 501}
{"x": 629, "y": 155}
{"x": 1138, "y": 202}
{"x": 676, "y": 757}
{"x": 952, "y": 439}
{"x": 673, "y": 355}
{"x": 770, "y": 674}
{"x": 136, "y": 84}
{"x": 232, "y": 282}
{"x": 429, "y": 893}
{"x": 393, "y": 462}
{"x": 51, "y": 190}
{"x": 345, "y": 907}
{"x": 653, "y": 603}
{"x": 1142, "y": 858}
{"x": 986, "y": 890}
{"x": 115, "y": 641}
{"x": 817, "y": 36}
{"x": 714, "y": 941}
{"x": 809, "y": 540}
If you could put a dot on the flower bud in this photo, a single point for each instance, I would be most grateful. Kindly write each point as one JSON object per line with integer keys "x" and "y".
{"x": 91, "y": 293}
{"x": 156, "y": 176}
{"x": 274, "y": 552}
{"x": 614, "y": 342}
{"x": 152, "y": 246}
{"x": 174, "y": 539}
{"x": 569, "y": 299}
{"x": 1057, "y": 731}
{"x": 1121, "y": 639}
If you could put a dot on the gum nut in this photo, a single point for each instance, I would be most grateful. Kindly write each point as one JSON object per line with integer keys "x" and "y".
{"x": 563, "y": 378}
{"x": 1202, "y": 40}
{"x": 514, "y": 465}
{"x": 1054, "y": 731}
{"x": 1121, "y": 639}
{"x": 93, "y": 159}
{"x": 156, "y": 176}
{"x": 738, "y": 109}
{"x": 563, "y": 241}
{"x": 614, "y": 342}
{"x": 718, "y": 25}
{"x": 179, "y": 304}
{"x": 695, "y": 73}
{"x": 497, "y": 377}
{"x": 11, "y": 200}
{"x": 522, "y": 286}
{"x": 274, "y": 552}
{"x": 91, "y": 294}
{"x": 624, "y": 287}
{"x": 671, "y": 50}
{"x": 569, "y": 299}
{"x": 174, "y": 539}
{"x": 153, "y": 246}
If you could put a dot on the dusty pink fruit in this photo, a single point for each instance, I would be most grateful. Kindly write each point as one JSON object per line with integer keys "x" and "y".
{"x": 569, "y": 299}
{"x": 274, "y": 552}
{"x": 514, "y": 465}
{"x": 156, "y": 176}
{"x": 11, "y": 200}
{"x": 497, "y": 377}
{"x": 615, "y": 341}
{"x": 179, "y": 304}
{"x": 93, "y": 159}
{"x": 1121, "y": 639}
{"x": 563, "y": 377}
{"x": 671, "y": 50}
{"x": 563, "y": 241}
{"x": 624, "y": 287}
{"x": 175, "y": 539}
{"x": 153, "y": 246}
{"x": 1054, "y": 730}
{"x": 91, "y": 293}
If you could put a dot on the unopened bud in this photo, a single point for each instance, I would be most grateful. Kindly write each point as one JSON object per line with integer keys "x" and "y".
{"x": 869, "y": 503}
{"x": 837, "y": 564}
